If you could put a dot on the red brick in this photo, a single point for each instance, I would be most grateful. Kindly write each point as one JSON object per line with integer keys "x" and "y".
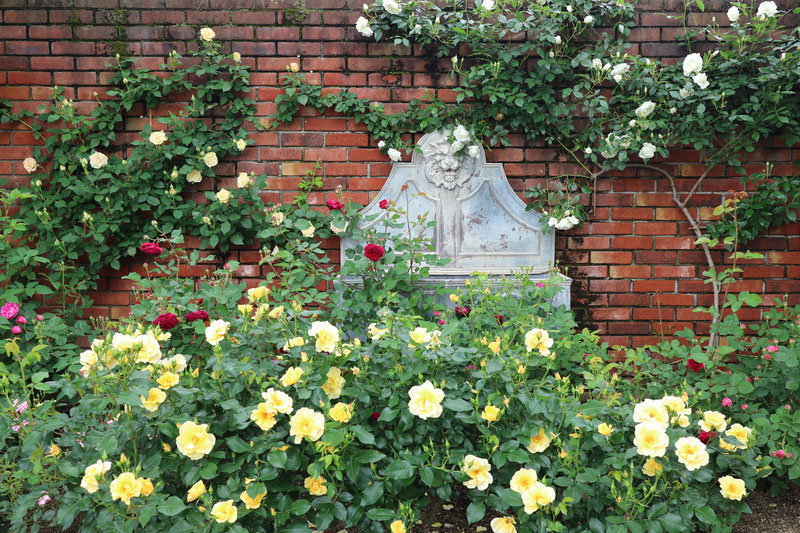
{"x": 620, "y": 258}
{"x": 633, "y": 243}
{"x": 630, "y": 271}
{"x": 655, "y": 228}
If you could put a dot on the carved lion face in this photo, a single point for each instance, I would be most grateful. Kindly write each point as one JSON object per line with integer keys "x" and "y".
{"x": 444, "y": 168}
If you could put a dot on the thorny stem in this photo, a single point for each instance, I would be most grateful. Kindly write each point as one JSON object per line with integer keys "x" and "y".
{"x": 693, "y": 223}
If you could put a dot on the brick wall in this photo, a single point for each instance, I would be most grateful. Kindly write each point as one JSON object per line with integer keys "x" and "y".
{"x": 635, "y": 268}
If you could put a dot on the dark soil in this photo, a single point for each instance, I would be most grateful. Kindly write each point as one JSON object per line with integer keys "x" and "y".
{"x": 771, "y": 514}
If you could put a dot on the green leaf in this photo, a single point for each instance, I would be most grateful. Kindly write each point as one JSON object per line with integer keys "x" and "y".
{"x": 706, "y": 514}
{"x": 372, "y": 494}
{"x": 171, "y": 506}
{"x": 475, "y": 512}
{"x": 399, "y": 469}
{"x": 299, "y": 507}
{"x": 457, "y": 404}
{"x": 380, "y": 515}
{"x": 363, "y": 435}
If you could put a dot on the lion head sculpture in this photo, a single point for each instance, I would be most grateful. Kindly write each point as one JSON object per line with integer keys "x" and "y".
{"x": 445, "y": 168}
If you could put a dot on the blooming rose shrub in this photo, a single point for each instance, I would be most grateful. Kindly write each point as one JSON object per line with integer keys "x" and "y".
{"x": 262, "y": 416}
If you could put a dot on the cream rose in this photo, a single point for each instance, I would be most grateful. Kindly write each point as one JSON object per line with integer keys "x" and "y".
{"x": 98, "y": 160}
{"x": 29, "y": 164}
{"x": 195, "y": 176}
{"x": 426, "y": 401}
{"x": 158, "y": 137}
{"x": 210, "y": 159}
{"x": 207, "y": 34}
{"x": 216, "y": 331}
{"x": 223, "y": 196}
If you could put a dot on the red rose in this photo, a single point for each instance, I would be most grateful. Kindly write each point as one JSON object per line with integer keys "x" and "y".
{"x": 462, "y": 312}
{"x": 334, "y": 205}
{"x": 373, "y": 252}
{"x": 166, "y": 321}
{"x": 705, "y": 436}
{"x": 694, "y": 365}
{"x": 375, "y": 416}
{"x": 151, "y": 248}
{"x": 196, "y": 315}
{"x": 383, "y": 204}
{"x": 499, "y": 319}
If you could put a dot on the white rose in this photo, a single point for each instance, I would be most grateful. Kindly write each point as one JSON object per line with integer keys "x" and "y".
{"x": 569, "y": 9}
{"x": 158, "y": 137}
{"x": 309, "y": 231}
{"x": 618, "y": 78}
{"x": 562, "y": 224}
{"x": 685, "y": 93}
{"x": 237, "y": 57}
{"x": 622, "y": 68}
{"x": 362, "y": 26}
{"x": 673, "y": 110}
{"x": 243, "y": 180}
{"x": 588, "y": 150}
{"x": 392, "y": 7}
{"x": 456, "y": 146}
{"x": 597, "y": 63}
{"x": 207, "y": 34}
{"x": 701, "y": 80}
{"x": 766, "y": 10}
{"x": 474, "y": 150}
{"x": 607, "y": 66}
{"x": 692, "y": 64}
{"x": 241, "y": 144}
{"x": 461, "y": 134}
{"x": 394, "y": 154}
{"x": 588, "y": 19}
{"x": 552, "y": 221}
{"x": 223, "y": 196}
{"x": 551, "y": 54}
{"x": 29, "y": 164}
{"x": 733, "y": 14}
{"x": 632, "y": 123}
{"x": 195, "y": 176}
{"x": 644, "y": 110}
{"x": 486, "y": 4}
{"x": 647, "y": 151}
{"x": 98, "y": 160}
{"x": 210, "y": 159}
{"x": 381, "y": 144}
{"x": 558, "y": 39}
{"x": 573, "y": 220}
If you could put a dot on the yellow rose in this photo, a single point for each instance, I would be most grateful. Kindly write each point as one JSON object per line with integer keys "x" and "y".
{"x": 375, "y": 333}
{"x": 276, "y": 312}
{"x": 503, "y": 525}
{"x": 341, "y": 412}
{"x": 294, "y": 342}
{"x": 125, "y": 487}
{"x": 732, "y": 488}
{"x": 420, "y": 336}
{"x": 176, "y": 363}
{"x": 98, "y": 160}
{"x": 195, "y": 176}
{"x": 454, "y": 298}
{"x": 397, "y": 527}
{"x": 306, "y": 423}
{"x": 224, "y": 512}
{"x": 195, "y": 491}
{"x": 523, "y": 479}
{"x": 478, "y": 470}
{"x": 740, "y": 433}
{"x": 713, "y": 421}
{"x": 244, "y": 309}
{"x": 223, "y": 196}
{"x": 691, "y": 452}
{"x": 650, "y": 439}
{"x": 168, "y": 380}
{"x": 490, "y": 413}
{"x": 651, "y": 467}
{"x": 651, "y": 411}
{"x": 194, "y": 441}
{"x": 605, "y": 429}
{"x": 333, "y": 387}
{"x": 315, "y": 486}
{"x": 145, "y": 486}
{"x": 207, "y": 34}
{"x": 237, "y": 57}
{"x": 327, "y": 336}
{"x": 54, "y": 450}
{"x": 29, "y": 164}
{"x": 426, "y": 401}
{"x": 674, "y": 404}
{"x": 263, "y": 416}
{"x": 92, "y": 473}
{"x": 277, "y": 401}
{"x": 149, "y": 351}
{"x": 252, "y": 503}
{"x": 494, "y": 346}
{"x": 537, "y": 496}
{"x": 538, "y": 339}
{"x": 158, "y": 137}
{"x": 309, "y": 231}
{"x": 154, "y": 399}
{"x": 216, "y": 331}
{"x": 539, "y": 442}
{"x": 294, "y": 67}
{"x": 257, "y": 293}
{"x": 291, "y": 376}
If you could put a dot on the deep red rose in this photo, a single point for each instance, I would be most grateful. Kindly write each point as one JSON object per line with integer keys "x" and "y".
{"x": 375, "y": 416}
{"x": 196, "y": 315}
{"x": 383, "y": 204}
{"x": 462, "y": 312}
{"x": 499, "y": 319}
{"x": 373, "y": 252}
{"x": 694, "y": 365}
{"x": 166, "y": 321}
{"x": 705, "y": 436}
{"x": 151, "y": 248}
{"x": 334, "y": 205}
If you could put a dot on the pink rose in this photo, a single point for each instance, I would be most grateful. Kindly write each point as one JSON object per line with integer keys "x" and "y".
{"x": 383, "y": 204}
{"x": 39, "y": 318}
{"x": 16, "y": 330}
{"x": 334, "y": 205}
{"x": 772, "y": 348}
{"x": 22, "y": 320}
{"x": 727, "y": 402}
{"x": 744, "y": 407}
{"x": 9, "y": 310}
{"x": 151, "y": 248}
